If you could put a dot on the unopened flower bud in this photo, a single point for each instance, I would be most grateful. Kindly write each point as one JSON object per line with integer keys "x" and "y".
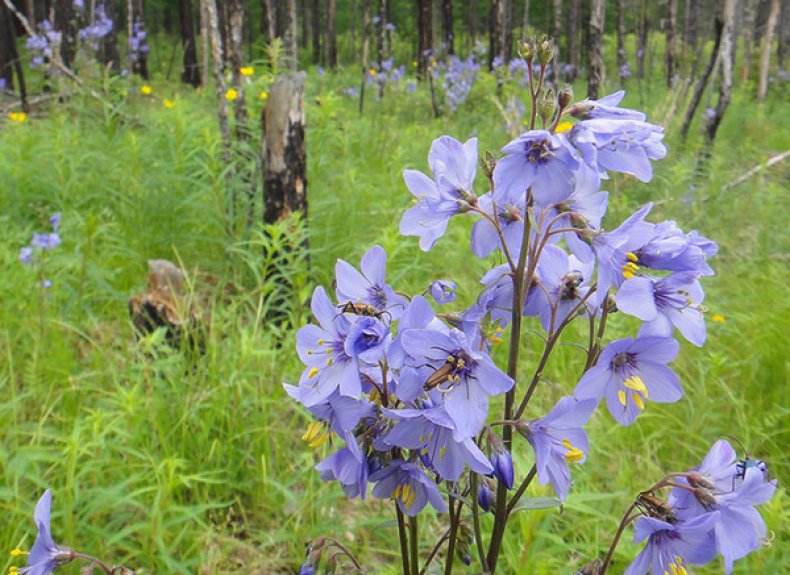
{"x": 547, "y": 104}
{"x": 501, "y": 460}
{"x": 581, "y": 110}
{"x": 488, "y": 163}
{"x": 485, "y": 494}
{"x": 545, "y": 50}
{"x": 565, "y": 97}
{"x": 591, "y": 568}
{"x": 527, "y": 49}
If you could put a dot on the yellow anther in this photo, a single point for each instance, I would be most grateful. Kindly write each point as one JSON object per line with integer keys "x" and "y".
{"x": 718, "y": 318}
{"x": 442, "y": 453}
{"x": 313, "y": 430}
{"x": 628, "y": 274}
{"x": 461, "y": 364}
{"x": 563, "y": 127}
{"x": 682, "y": 570}
{"x": 632, "y": 257}
{"x": 574, "y": 454}
{"x": 635, "y": 382}
{"x": 396, "y": 492}
{"x": 621, "y": 397}
{"x": 330, "y": 361}
{"x": 422, "y": 439}
{"x": 330, "y": 351}
{"x": 631, "y": 266}
{"x": 450, "y": 359}
{"x": 18, "y": 552}
{"x": 320, "y": 342}
{"x": 13, "y": 570}
{"x": 638, "y": 401}
{"x": 495, "y": 340}
{"x": 312, "y": 373}
{"x": 320, "y": 440}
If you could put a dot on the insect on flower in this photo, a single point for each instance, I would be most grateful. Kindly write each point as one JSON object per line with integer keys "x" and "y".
{"x": 450, "y": 371}
{"x": 652, "y": 506}
{"x": 747, "y": 462}
{"x": 363, "y": 309}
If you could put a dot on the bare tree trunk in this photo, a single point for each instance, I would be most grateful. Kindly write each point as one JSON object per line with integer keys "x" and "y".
{"x": 641, "y": 41}
{"x": 447, "y": 26}
{"x": 557, "y": 35}
{"x": 316, "y": 31}
{"x": 507, "y": 29}
{"x": 597, "y": 75}
{"x": 268, "y": 21}
{"x": 670, "y": 50}
{"x": 237, "y": 61}
{"x": 289, "y": 36}
{"x": 473, "y": 21}
{"x": 305, "y": 24}
{"x": 206, "y": 46}
{"x": 765, "y": 58}
{"x": 285, "y": 159}
{"x": 784, "y": 35}
{"x": 525, "y": 20}
{"x": 425, "y": 38}
{"x": 364, "y": 55}
{"x": 8, "y": 51}
{"x": 212, "y": 22}
{"x": 191, "y": 74}
{"x": 748, "y": 37}
{"x": 496, "y": 23}
{"x": 64, "y": 23}
{"x": 331, "y": 34}
{"x": 725, "y": 61}
{"x": 573, "y": 40}
{"x": 622, "y": 61}
{"x": 703, "y": 81}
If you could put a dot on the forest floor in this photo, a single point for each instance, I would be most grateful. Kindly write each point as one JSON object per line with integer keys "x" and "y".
{"x": 176, "y": 465}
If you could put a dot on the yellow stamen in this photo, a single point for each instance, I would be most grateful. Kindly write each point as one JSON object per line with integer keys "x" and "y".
{"x": 574, "y": 454}
{"x": 312, "y": 373}
{"x": 320, "y": 440}
{"x": 320, "y": 342}
{"x": 638, "y": 401}
{"x": 563, "y": 127}
{"x": 632, "y": 257}
{"x": 717, "y": 317}
{"x": 18, "y": 552}
{"x": 442, "y": 453}
{"x": 621, "y": 397}
{"x": 330, "y": 361}
{"x": 635, "y": 383}
{"x": 312, "y": 430}
{"x": 627, "y": 274}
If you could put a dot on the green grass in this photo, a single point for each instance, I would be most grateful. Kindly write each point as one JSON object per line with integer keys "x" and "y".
{"x": 175, "y": 466}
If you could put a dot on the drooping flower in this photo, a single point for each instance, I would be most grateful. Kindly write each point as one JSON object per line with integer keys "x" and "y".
{"x": 465, "y": 376}
{"x": 665, "y": 303}
{"x": 369, "y": 287}
{"x": 558, "y": 439}
{"x": 671, "y": 545}
{"x": 501, "y": 460}
{"x": 349, "y": 467}
{"x": 539, "y": 160}
{"x": 342, "y": 412}
{"x": 672, "y": 250}
{"x": 430, "y": 431}
{"x": 451, "y": 191}
{"x": 443, "y": 291}
{"x": 46, "y": 555}
{"x": 629, "y": 372}
{"x": 485, "y": 495}
{"x": 409, "y": 486}
{"x": 510, "y": 217}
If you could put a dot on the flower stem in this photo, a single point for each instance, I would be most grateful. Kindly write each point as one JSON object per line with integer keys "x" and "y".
{"x": 95, "y": 562}
{"x": 404, "y": 542}
{"x": 454, "y": 517}
{"x": 415, "y": 545}
{"x": 627, "y": 518}
{"x": 476, "y": 521}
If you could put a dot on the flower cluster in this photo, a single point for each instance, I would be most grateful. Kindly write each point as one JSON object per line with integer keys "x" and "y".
{"x": 41, "y": 242}
{"x": 456, "y": 78}
{"x": 138, "y": 41}
{"x": 101, "y": 26}
{"x": 711, "y": 511}
{"x": 42, "y": 43}
{"x": 387, "y": 73}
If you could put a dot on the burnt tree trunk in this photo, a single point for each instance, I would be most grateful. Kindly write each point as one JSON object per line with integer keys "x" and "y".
{"x": 285, "y": 159}
{"x": 703, "y": 81}
{"x": 64, "y": 23}
{"x": 447, "y": 26}
{"x": 725, "y": 62}
{"x": 425, "y": 36}
{"x": 784, "y": 35}
{"x": 303, "y": 40}
{"x": 556, "y": 33}
{"x": 496, "y": 19}
{"x": 765, "y": 56}
{"x": 316, "y": 31}
{"x": 8, "y": 55}
{"x": 236, "y": 21}
{"x": 641, "y": 41}
{"x": 268, "y": 21}
{"x": 622, "y": 60}
{"x": 573, "y": 40}
{"x": 191, "y": 73}
{"x": 748, "y": 38}
{"x": 597, "y": 73}
{"x": 670, "y": 50}
{"x": 507, "y": 29}
{"x": 289, "y": 36}
{"x": 364, "y": 55}
{"x": 331, "y": 34}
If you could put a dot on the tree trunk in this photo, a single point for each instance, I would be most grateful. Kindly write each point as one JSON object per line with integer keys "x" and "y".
{"x": 64, "y": 23}
{"x": 473, "y": 21}
{"x": 191, "y": 73}
{"x": 525, "y": 20}
{"x": 316, "y": 31}
{"x": 573, "y": 40}
{"x": 331, "y": 34}
{"x": 496, "y": 31}
{"x": 765, "y": 58}
{"x": 139, "y": 64}
{"x": 641, "y": 41}
{"x": 725, "y": 61}
{"x": 364, "y": 55}
{"x": 8, "y": 55}
{"x": 597, "y": 76}
{"x": 236, "y": 21}
{"x": 305, "y": 24}
{"x": 690, "y": 25}
{"x": 291, "y": 50}
{"x": 268, "y": 21}
{"x": 557, "y": 35}
{"x": 784, "y": 35}
{"x": 285, "y": 159}
{"x": 425, "y": 36}
{"x": 447, "y": 26}
{"x": 748, "y": 38}
{"x": 703, "y": 81}
{"x": 622, "y": 60}
{"x": 670, "y": 49}
{"x": 507, "y": 30}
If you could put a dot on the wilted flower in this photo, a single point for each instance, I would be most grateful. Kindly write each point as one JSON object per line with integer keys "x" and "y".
{"x": 631, "y": 371}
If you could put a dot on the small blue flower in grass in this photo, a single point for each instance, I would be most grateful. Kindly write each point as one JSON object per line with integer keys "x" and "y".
{"x": 54, "y": 220}
{"x": 45, "y": 555}
{"x": 430, "y": 431}
{"x": 465, "y": 377}
{"x": 451, "y": 191}
{"x": 46, "y": 241}
{"x": 558, "y": 439}
{"x": 26, "y": 255}
{"x": 409, "y": 486}
{"x": 720, "y": 485}
{"x": 443, "y": 291}
{"x": 629, "y": 372}
{"x": 539, "y": 160}
{"x": 671, "y": 545}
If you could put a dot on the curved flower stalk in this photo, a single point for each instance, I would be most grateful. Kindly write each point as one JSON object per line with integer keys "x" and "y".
{"x": 407, "y": 387}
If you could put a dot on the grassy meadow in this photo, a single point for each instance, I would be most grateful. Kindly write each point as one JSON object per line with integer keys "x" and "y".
{"x": 172, "y": 465}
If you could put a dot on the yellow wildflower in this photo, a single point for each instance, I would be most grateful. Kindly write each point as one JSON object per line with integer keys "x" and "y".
{"x": 718, "y": 317}
{"x": 264, "y": 95}
{"x": 373, "y": 72}
{"x": 247, "y": 70}
{"x": 146, "y": 89}
{"x": 231, "y": 94}
{"x": 17, "y": 116}
{"x": 169, "y": 104}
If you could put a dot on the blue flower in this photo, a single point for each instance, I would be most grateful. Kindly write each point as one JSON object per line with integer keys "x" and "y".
{"x": 443, "y": 291}
{"x": 26, "y": 255}
{"x": 369, "y": 287}
{"x": 349, "y": 467}
{"x": 409, "y": 486}
{"x": 45, "y": 555}
{"x": 46, "y": 241}
{"x": 605, "y": 108}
